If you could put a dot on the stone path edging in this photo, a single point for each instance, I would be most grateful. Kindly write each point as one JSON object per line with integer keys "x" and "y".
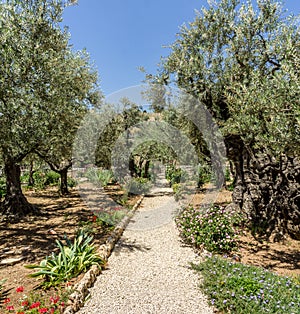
{"x": 77, "y": 298}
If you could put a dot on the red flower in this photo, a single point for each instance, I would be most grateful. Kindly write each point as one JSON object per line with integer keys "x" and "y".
{"x": 54, "y": 299}
{"x": 43, "y": 310}
{"x": 10, "y": 308}
{"x": 21, "y": 313}
{"x": 6, "y": 301}
{"x": 34, "y": 305}
{"x": 20, "y": 289}
{"x": 25, "y": 303}
{"x": 94, "y": 218}
{"x": 62, "y": 304}
{"x": 52, "y": 310}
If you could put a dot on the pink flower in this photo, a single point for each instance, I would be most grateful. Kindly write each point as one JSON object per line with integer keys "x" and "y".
{"x": 10, "y": 308}
{"x": 20, "y": 289}
{"x": 43, "y": 310}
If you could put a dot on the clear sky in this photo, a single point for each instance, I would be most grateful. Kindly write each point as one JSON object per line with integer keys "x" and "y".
{"x": 122, "y": 35}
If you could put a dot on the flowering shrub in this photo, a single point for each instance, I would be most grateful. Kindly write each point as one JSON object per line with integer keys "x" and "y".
{"x": 31, "y": 305}
{"x": 212, "y": 228}
{"x": 237, "y": 288}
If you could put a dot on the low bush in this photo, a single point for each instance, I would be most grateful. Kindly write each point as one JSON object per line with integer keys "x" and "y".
{"x": 51, "y": 178}
{"x": 138, "y": 186}
{"x": 213, "y": 228}
{"x": 72, "y": 259}
{"x": 177, "y": 189}
{"x": 175, "y": 175}
{"x": 71, "y": 182}
{"x": 109, "y": 218}
{"x": 204, "y": 174}
{"x": 100, "y": 177}
{"x": 236, "y": 288}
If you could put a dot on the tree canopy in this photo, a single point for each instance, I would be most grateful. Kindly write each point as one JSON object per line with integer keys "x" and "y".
{"x": 44, "y": 86}
{"x": 241, "y": 60}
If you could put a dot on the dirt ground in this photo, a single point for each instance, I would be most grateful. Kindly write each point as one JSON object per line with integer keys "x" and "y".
{"x": 33, "y": 238}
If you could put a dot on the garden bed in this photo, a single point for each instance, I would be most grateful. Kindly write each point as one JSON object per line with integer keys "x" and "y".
{"x": 33, "y": 238}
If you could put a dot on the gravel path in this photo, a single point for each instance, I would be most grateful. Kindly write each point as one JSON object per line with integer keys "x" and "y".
{"x": 149, "y": 271}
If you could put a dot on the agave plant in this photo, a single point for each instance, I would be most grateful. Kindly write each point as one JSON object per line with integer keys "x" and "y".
{"x": 73, "y": 259}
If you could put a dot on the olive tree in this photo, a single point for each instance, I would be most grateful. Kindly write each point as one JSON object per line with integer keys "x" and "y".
{"x": 242, "y": 62}
{"x": 43, "y": 86}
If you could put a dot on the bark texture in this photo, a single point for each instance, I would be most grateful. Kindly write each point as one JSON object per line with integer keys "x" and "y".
{"x": 267, "y": 190}
{"x": 15, "y": 203}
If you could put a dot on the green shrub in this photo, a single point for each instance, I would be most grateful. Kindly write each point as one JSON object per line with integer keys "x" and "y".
{"x": 71, "y": 182}
{"x": 203, "y": 174}
{"x": 212, "y": 228}
{"x": 138, "y": 186}
{"x": 177, "y": 189}
{"x": 237, "y": 288}
{"x": 72, "y": 259}
{"x": 24, "y": 178}
{"x": 109, "y": 218}
{"x": 51, "y": 178}
{"x": 175, "y": 175}
{"x": 99, "y": 176}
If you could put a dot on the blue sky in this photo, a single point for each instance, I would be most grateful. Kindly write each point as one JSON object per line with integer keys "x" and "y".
{"x": 122, "y": 35}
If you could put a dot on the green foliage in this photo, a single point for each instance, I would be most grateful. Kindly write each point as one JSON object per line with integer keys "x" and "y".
{"x": 110, "y": 217}
{"x": 129, "y": 114}
{"x": 212, "y": 228}
{"x": 177, "y": 189}
{"x": 241, "y": 60}
{"x": 39, "y": 179}
{"x": 100, "y": 177}
{"x": 203, "y": 174}
{"x": 227, "y": 174}
{"x": 72, "y": 259}
{"x": 45, "y": 86}
{"x": 138, "y": 186}
{"x": 71, "y": 182}
{"x": 51, "y": 178}
{"x": 237, "y": 288}
{"x": 2, "y": 187}
{"x": 175, "y": 175}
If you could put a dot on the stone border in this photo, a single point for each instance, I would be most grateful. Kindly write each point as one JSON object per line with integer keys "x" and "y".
{"x": 77, "y": 298}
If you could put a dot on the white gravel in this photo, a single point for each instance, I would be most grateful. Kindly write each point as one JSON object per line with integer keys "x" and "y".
{"x": 149, "y": 271}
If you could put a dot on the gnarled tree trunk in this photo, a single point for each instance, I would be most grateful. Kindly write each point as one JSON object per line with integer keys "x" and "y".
{"x": 64, "y": 181}
{"x": 15, "y": 203}
{"x": 267, "y": 190}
